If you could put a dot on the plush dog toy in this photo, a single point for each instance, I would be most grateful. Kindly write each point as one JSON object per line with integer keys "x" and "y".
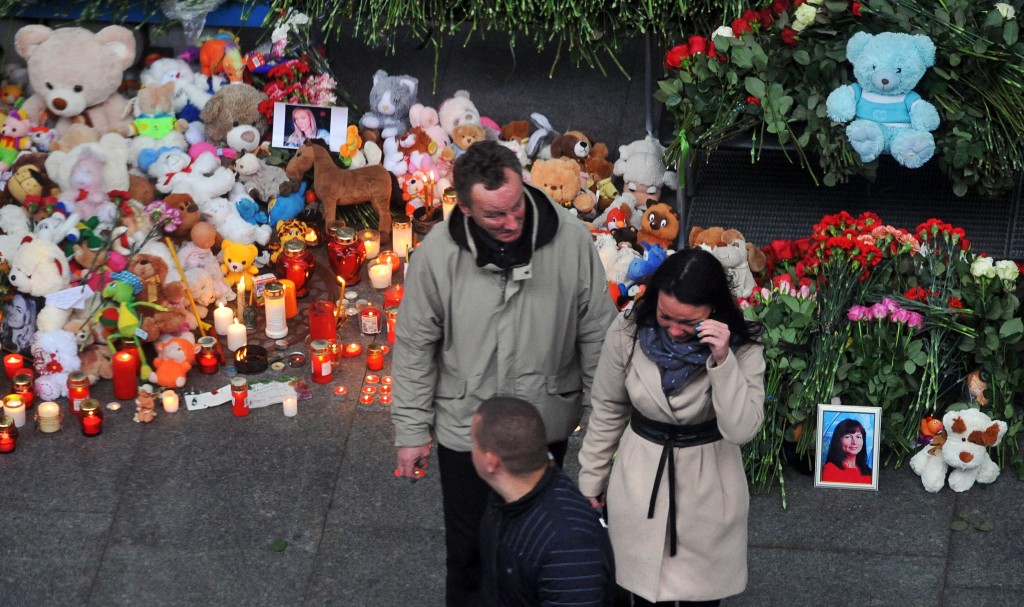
{"x": 888, "y": 116}
{"x": 963, "y": 446}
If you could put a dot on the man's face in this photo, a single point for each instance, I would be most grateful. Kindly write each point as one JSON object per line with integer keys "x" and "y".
{"x": 500, "y": 212}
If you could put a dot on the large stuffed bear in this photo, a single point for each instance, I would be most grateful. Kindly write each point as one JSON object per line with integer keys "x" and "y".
{"x": 75, "y": 75}
{"x": 888, "y": 116}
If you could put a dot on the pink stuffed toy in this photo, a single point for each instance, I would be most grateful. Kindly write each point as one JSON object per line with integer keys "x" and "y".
{"x": 86, "y": 196}
{"x": 15, "y": 137}
{"x": 174, "y": 361}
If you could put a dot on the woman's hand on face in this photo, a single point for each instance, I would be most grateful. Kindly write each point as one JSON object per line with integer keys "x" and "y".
{"x": 715, "y": 335}
{"x": 597, "y": 502}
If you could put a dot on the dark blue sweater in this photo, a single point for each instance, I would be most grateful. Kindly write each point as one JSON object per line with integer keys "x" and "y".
{"x": 547, "y": 548}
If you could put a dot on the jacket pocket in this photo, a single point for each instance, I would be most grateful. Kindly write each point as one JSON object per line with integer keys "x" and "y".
{"x": 449, "y": 386}
{"x": 565, "y": 386}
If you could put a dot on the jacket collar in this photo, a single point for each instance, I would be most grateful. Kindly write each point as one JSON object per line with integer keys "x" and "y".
{"x": 521, "y": 505}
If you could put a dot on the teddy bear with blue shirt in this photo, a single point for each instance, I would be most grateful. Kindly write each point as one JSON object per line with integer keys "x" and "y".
{"x": 887, "y": 115}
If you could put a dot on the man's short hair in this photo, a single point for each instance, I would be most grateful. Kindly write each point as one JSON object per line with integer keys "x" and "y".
{"x": 513, "y": 429}
{"x": 483, "y": 162}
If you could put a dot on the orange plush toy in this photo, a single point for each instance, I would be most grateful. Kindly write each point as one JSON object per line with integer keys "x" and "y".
{"x": 175, "y": 359}
{"x": 221, "y": 55}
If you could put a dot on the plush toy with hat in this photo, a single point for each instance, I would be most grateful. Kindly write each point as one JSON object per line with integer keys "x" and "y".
{"x": 145, "y": 405}
{"x": 887, "y": 115}
{"x": 15, "y": 137}
{"x": 659, "y": 225}
{"x": 739, "y": 258}
{"x": 75, "y": 75}
{"x": 390, "y": 100}
{"x": 962, "y": 446}
{"x": 122, "y": 289}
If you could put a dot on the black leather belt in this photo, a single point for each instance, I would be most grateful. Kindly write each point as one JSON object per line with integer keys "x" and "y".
{"x": 671, "y": 436}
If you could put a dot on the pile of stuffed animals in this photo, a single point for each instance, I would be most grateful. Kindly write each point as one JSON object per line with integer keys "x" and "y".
{"x": 166, "y": 197}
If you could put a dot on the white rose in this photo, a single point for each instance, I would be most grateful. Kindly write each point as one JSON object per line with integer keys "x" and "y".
{"x": 725, "y": 32}
{"x": 1005, "y": 10}
{"x": 982, "y": 267}
{"x": 804, "y": 16}
{"x": 1006, "y": 270}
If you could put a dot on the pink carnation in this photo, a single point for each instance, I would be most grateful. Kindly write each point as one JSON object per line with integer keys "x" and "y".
{"x": 879, "y": 311}
{"x": 915, "y": 320}
{"x": 900, "y": 315}
{"x": 857, "y": 313}
{"x": 890, "y": 304}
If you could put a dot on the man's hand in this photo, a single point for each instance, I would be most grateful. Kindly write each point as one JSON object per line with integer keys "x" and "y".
{"x": 412, "y": 462}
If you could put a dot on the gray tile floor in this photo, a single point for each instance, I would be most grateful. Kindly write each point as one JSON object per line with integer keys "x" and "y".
{"x": 184, "y": 511}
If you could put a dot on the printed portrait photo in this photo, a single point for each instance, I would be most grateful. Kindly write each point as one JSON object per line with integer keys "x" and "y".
{"x": 847, "y": 447}
{"x": 294, "y": 124}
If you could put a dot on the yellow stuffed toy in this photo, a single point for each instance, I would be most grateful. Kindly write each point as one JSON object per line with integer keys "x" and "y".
{"x": 238, "y": 263}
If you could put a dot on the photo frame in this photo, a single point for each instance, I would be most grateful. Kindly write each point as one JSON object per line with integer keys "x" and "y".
{"x": 295, "y": 122}
{"x": 840, "y": 464}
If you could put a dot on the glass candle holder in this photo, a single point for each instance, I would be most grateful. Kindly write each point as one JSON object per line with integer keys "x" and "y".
{"x": 78, "y": 384}
{"x": 392, "y": 258}
{"x": 401, "y": 235}
{"x": 320, "y": 358}
{"x": 48, "y": 418}
{"x": 91, "y": 417}
{"x": 380, "y": 275}
{"x": 296, "y": 264}
{"x": 352, "y": 350}
{"x": 21, "y": 384}
{"x": 448, "y": 201}
{"x": 13, "y": 363}
{"x": 370, "y": 320}
{"x": 291, "y": 304}
{"x": 239, "y": 397}
{"x": 323, "y": 321}
{"x": 209, "y": 357}
{"x": 14, "y": 408}
{"x": 169, "y": 399}
{"x": 290, "y": 405}
{"x": 273, "y": 301}
{"x": 346, "y": 253}
{"x": 375, "y": 357}
{"x": 393, "y": 295}
{"x": 371, "y": 242}
{"x": 391, "y": 320}
{"x": 8, "y": 434}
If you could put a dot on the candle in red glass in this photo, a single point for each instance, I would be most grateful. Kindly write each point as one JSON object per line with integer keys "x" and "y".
{"x": 346, "y": 254}
{"x": 12, "y": 364}
{"x": 126, "y": 374}
{"x": 78, "y": 390}
{"x": 8, "y": 434}
{"x": 391, "y": 257}
{"x": 209, "y": 360}
{"x": 366, "y": 399}
{"x": 239, "y": 397}
{"x": 296, "y": 264}
{"x": 21, "y": 385}
{"x": 128, "y": 345}
{"x": 385, "y": 399}
{"x": 392, "y": 321}
{"x": 353, "y": 350}
{"x": 375, "y": 357}
{"x": 320, "y": 357}
{"x": 91, "y": 417}
{"x": 370, "y": 320}
{"x": 393, "y": 296}
{"x": 323, "y": 322}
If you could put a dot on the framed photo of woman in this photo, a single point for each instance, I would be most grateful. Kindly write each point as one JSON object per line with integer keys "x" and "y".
{"x": 847, "y": 442}
{"x": 295, "y": 123}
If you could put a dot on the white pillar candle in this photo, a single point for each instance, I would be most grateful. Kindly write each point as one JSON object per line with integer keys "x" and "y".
{"x": 291, "y": 406}
{"x": 241, "y": 296}
{"x": 170, "y": 400}
{"x": 401, "y": 237}
{"x": 237, "y": 336}
{"x": 222, "y": 316}
{"x": 447, "y": 207}
{"x": 49, "y": 417}
{"x": 371, "y": 240}
{"x": 275, "y": 311}
{"x": 15, "y": 409}
{"x": 380, "y": 275}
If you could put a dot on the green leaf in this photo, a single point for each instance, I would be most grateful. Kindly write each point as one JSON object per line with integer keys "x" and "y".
{"x": 960, "y": 189}
{"x": 743, "y": 57}
{"x": 985, "y": 526}
{"x": 1010, "y": 32}
{"x": 1011, "y": 327}
{"x": 909, "y": 367}
{"x": 958, "y": 525}
{"x": 279, "y": 546}
{"x": 802, "y": 57}
{"x": 754, "y": 86}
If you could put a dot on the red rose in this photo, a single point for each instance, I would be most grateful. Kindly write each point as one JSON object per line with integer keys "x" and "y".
{"x": 754, "y": 100}
{"x": 675, "y": 56}
{"x": 713, "y": 52}
{"x": 766, "y": 18}
{"x": 954, "y": 302}
{"x": 781, "y": 278}
{"x": 781, "y": 249}
{"x": 698, "y": 44}
{"x": 739, "y": 26}
{"x": 855, "y": 9}
{"x": 779, "y": 6}
{"x": 751, "y": 16}
{"x": 789, "y": 36}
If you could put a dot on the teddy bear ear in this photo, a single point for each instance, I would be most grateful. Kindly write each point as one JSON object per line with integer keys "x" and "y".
{"x": 28, "y": 39}
{"x": 121, "y": 41}
{"x": 695, "y": 232}
{"x": 926, "y": 48}
{"x": 856, "y": 45}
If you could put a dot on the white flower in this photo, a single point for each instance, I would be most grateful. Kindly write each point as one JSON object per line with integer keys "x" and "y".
{"x": 982, "y": 267}
{"x": 292, "y": 23}
{"x": 804, "y": 16}
{"x": 1007, "y": 270}
{"x": 1005, "y": 10}
{"x": 725, "y": 32}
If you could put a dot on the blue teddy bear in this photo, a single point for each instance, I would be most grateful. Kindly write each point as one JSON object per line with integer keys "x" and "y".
{"x": 888, "y": 116}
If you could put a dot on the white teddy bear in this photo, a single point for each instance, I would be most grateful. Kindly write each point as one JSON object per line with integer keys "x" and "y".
{"x": 203, "y": 178}
{"x": 55, "y": 355}
{"x": 963, "y": 446}
{"x": 223, "y": 215}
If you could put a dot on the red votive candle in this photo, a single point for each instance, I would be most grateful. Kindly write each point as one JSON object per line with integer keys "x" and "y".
{"x": 320, "y": 357}
{"x": 393, "y": 295}
{"x": 8, "y": 434}
{"x": 91, "y": 417}
{"x": 375, "y": 357}
{"x": 323, "y": 322}
{"x": 13, "y": 363}
{"x": 239, "y": 397}
{"x": 126, "y": 374}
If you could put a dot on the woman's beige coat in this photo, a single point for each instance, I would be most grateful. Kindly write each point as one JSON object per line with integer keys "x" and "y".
{"x": 711, "y": 488}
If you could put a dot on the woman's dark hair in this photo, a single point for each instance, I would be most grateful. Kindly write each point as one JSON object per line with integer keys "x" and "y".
{"x": 695, "y": 277}
{"x": 836, "y": 455}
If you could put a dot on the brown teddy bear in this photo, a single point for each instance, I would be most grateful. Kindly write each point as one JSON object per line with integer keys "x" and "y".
{"x": 560, "y": 179}
{"x": 463, "y": 136}
{"x": 31, "y": 186}
{"x": 233, "y": 119}
{"x": 152, "y": 271}
{"x": 739, "y": 257}
{"x": 517, "y": 130}
{"x": 660, "y": 225}
{"x": 579, "y": 146}
{"x": 189, "y": 214}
